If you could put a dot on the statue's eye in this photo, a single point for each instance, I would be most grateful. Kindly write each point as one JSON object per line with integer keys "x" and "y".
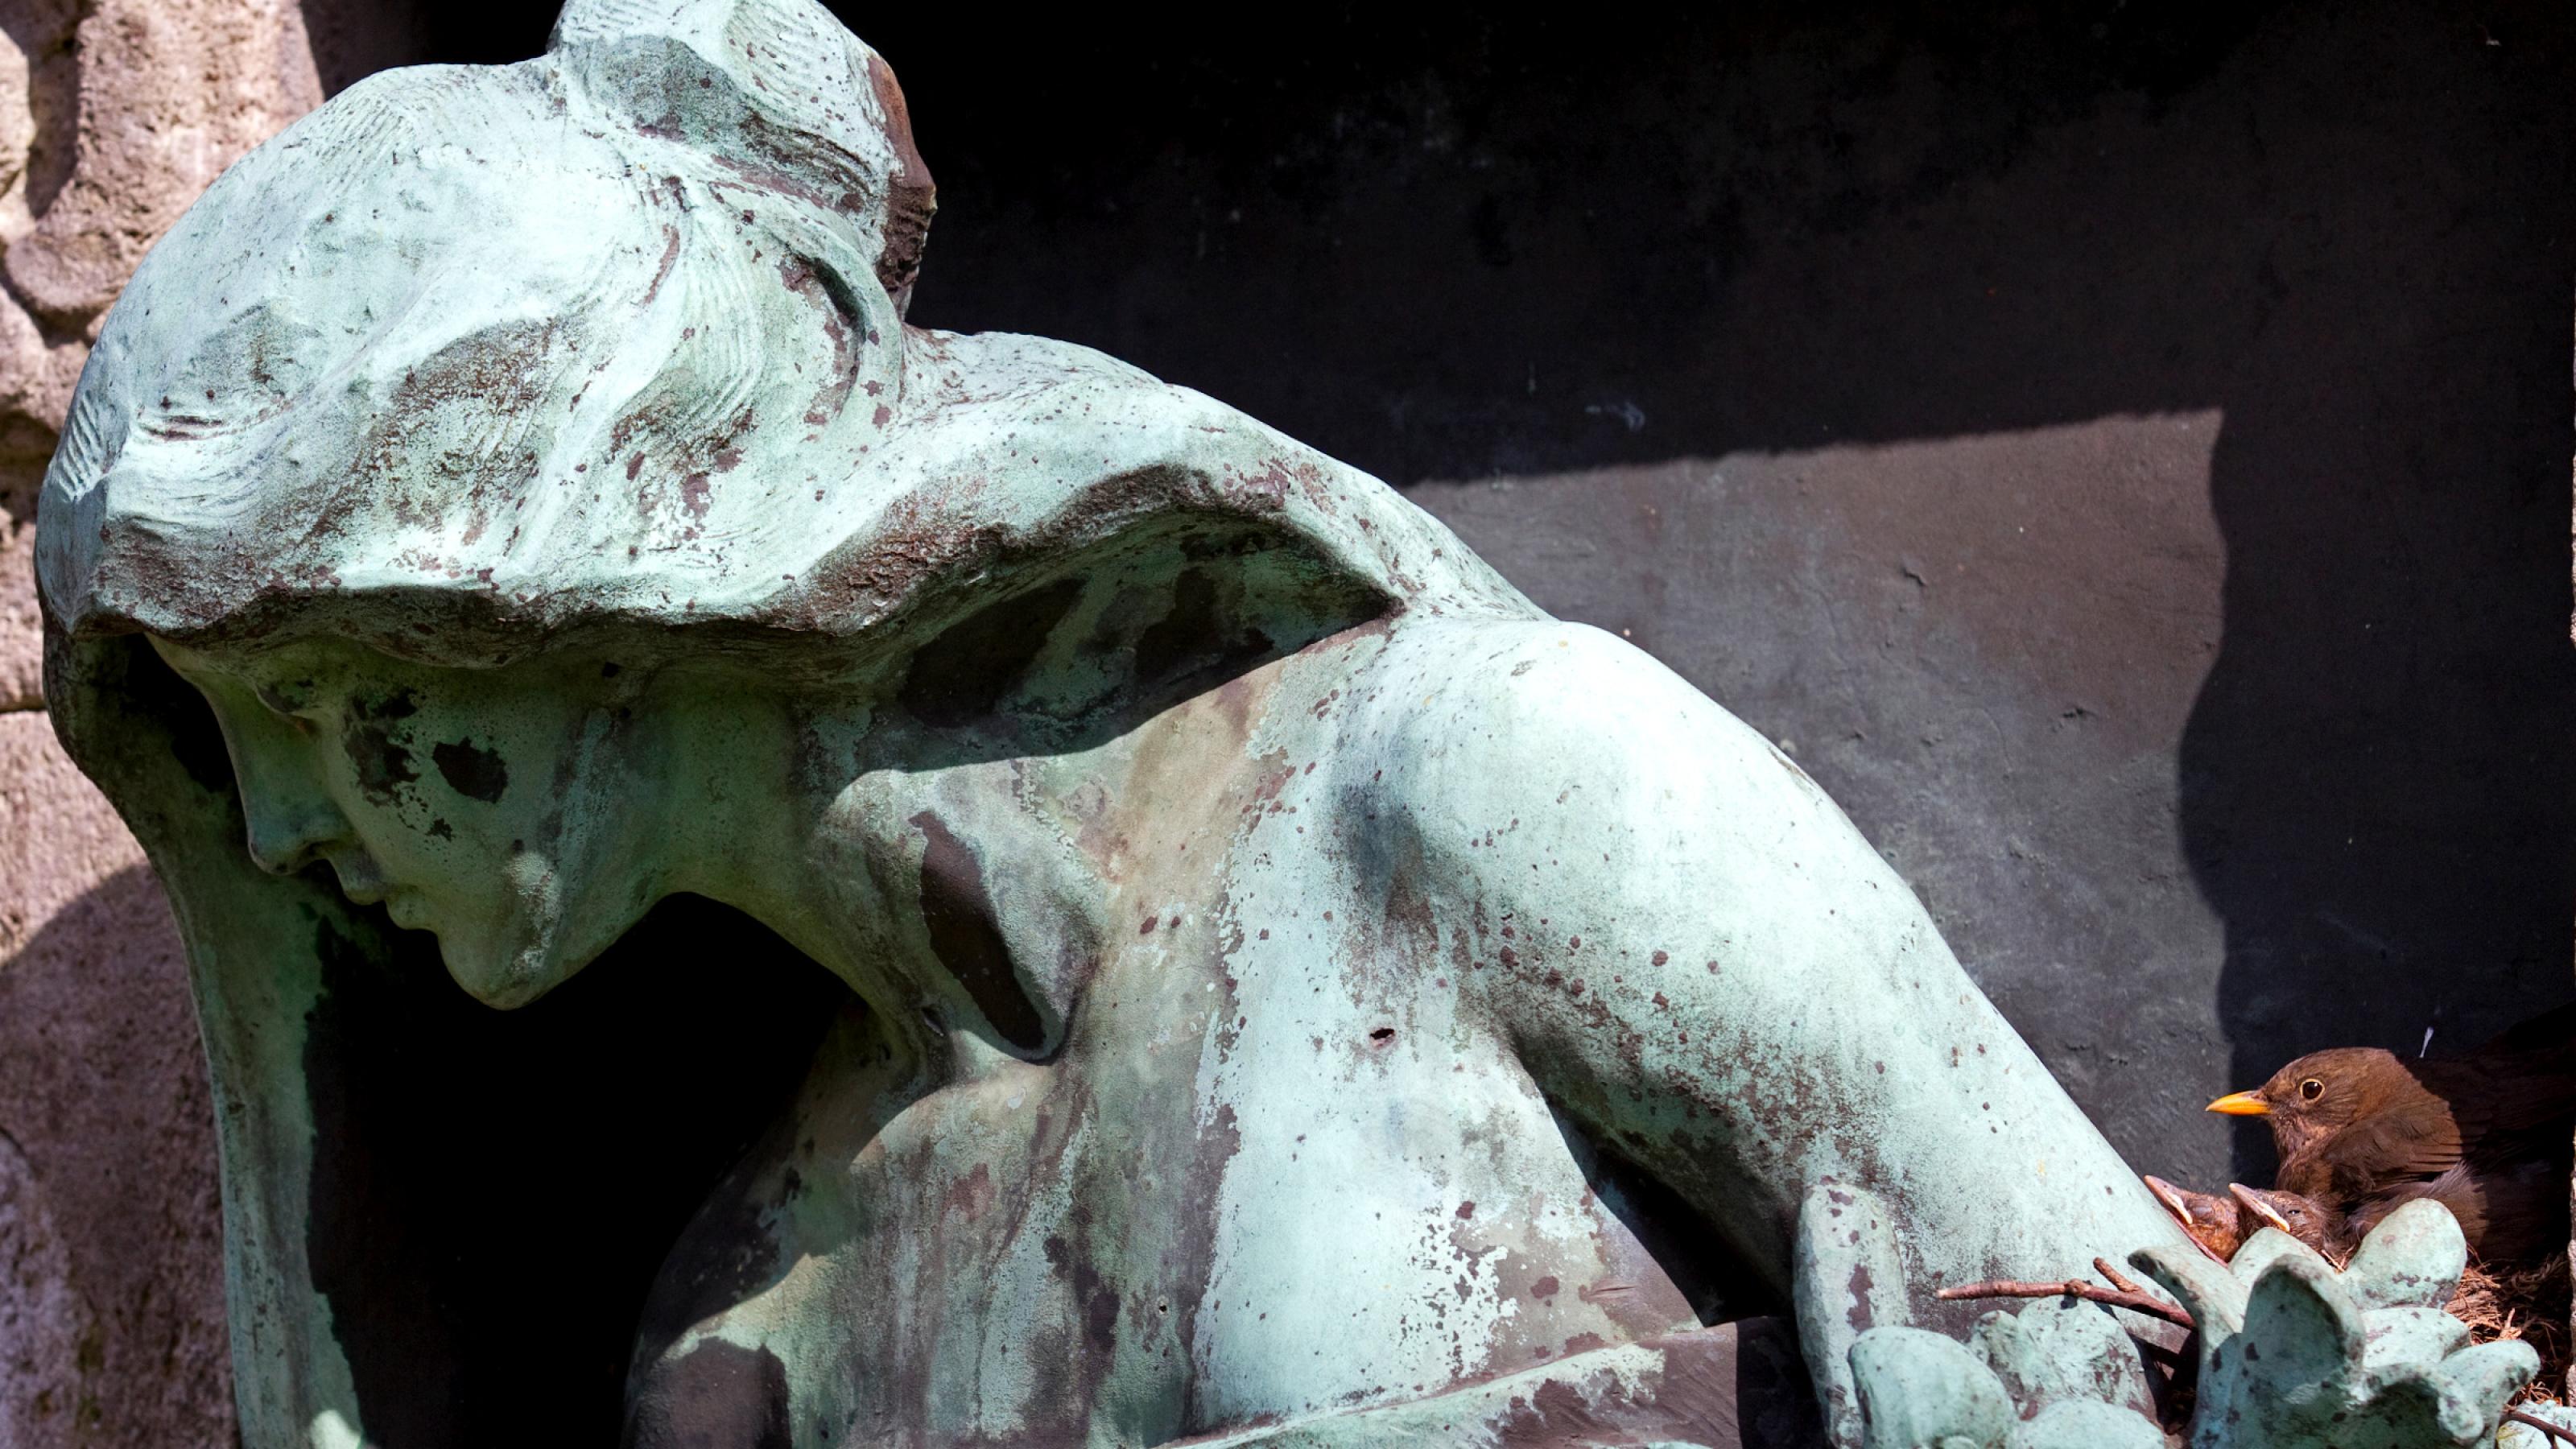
{"x": 2311, "y": 1089}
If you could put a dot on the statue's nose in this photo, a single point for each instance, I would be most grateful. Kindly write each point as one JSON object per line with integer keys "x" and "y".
{"x": 288, "y": 835}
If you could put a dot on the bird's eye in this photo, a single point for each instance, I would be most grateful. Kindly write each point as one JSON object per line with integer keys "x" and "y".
{"x": 2311, "y": 1089}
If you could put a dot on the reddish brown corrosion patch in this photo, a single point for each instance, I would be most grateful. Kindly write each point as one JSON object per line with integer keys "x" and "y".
{"x": 910, "y": 200}
{"x": 1858, "y": 1315}
{"x": 720, "y": 1393}
{"x": 971, "y": 1195}
{"x": 670, "y": 256}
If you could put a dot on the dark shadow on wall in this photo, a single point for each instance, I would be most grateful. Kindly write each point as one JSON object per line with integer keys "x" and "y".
{"x": 1440, "y": 245}
{"x": 98, "y": 1045}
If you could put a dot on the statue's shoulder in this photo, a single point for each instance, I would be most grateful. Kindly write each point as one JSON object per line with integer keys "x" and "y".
{"x": 951, "y": 368}
{"x": 1535, "y": 666}
{"x": 1589, "y": 703}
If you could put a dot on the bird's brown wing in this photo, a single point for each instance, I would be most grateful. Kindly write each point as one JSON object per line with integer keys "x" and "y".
{"x": 2372, "y": 1155}
{"x": 2523, "y": 1204}
{"x": 2459, "y": 1189}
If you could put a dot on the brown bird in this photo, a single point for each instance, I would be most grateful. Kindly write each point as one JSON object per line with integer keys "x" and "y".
{"x": 2357, "y": 1126}
{"x": 2213, "y": 1220}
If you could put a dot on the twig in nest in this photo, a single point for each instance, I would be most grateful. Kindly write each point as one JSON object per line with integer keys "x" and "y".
{"x": 2517, "y": 1416}
{"x": 2128, "y": 1296}
{"x": 2116, "y": 1278}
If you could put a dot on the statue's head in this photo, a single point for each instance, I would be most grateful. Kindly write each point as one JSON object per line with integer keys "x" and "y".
{"x": 445, "y": 417}
{"x": 460, "y": 427}
{"x": 475, "y": 355}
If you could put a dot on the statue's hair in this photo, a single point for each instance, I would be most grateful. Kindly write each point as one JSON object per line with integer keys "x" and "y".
{"x": 607, "y": 331}
{"x": 475, "y": 360}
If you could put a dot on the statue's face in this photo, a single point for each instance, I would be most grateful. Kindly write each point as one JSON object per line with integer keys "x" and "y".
{"x": 493, "y": 807}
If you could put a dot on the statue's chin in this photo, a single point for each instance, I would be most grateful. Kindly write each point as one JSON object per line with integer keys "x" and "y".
{"x": 507, "y": 951}
{"x": 501, "y": 975}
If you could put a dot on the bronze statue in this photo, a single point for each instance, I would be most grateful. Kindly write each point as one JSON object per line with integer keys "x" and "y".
{"x": 1295, "y": 990}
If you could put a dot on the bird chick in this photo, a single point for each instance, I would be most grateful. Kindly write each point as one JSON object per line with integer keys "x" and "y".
{"x": 2329, "y": 1232}
{"x": 2215, "y": 1221}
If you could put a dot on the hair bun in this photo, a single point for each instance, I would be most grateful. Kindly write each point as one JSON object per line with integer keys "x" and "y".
{"x": 777, "y": 91}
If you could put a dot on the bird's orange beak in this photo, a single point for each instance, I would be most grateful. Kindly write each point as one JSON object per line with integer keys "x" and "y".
{"x": 2241, "y": 1104}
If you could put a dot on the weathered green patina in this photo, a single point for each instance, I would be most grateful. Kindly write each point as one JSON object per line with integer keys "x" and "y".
{"x": 1297, "y": 991}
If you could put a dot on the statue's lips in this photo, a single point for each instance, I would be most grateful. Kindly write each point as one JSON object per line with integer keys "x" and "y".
{"x": 360, "y": 879}
{"x": 401, "y": 903}
{"x": 364, "y": 883}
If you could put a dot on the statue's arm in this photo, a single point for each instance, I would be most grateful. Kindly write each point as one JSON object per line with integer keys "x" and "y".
{"x": 1698, "y": 958}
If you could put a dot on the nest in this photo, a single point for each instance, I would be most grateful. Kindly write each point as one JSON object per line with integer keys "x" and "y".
{"x": 2501, "y": 1301}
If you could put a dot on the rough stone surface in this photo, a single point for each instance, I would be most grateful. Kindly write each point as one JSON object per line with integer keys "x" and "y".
{"x": 42, "y": 1324}
{"x": 111, "y": 1286}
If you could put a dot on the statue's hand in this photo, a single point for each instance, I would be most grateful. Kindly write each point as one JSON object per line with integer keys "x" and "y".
{"x": 2293, "y": 1354}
